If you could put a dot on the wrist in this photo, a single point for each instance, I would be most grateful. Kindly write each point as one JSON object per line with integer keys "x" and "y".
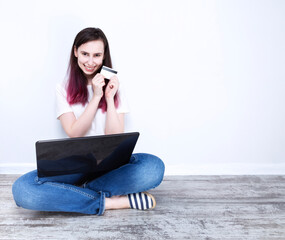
{"x": 96, "y": 98}
{"x": 110, "y": 101}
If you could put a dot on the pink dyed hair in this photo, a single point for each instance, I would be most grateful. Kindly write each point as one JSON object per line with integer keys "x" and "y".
{"x": 77, "y": 83}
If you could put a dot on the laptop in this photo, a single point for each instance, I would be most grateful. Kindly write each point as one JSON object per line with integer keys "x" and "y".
{"x": 90, "y": 156}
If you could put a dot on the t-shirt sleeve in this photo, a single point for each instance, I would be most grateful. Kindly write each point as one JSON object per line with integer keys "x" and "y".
{"x": 123, "y": 103}
{"x": 62, "y": 106}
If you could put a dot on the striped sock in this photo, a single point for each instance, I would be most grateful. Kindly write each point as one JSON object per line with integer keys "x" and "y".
{"x": 141, "y": 200}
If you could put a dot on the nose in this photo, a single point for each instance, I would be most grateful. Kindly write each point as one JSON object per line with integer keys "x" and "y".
{"x": 91, "y": 61}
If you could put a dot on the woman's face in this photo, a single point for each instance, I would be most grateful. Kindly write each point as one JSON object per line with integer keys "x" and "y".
{"x": 90, "y": 57}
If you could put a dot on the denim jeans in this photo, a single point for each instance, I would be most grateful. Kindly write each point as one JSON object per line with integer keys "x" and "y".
{"x": 143, "y": 172}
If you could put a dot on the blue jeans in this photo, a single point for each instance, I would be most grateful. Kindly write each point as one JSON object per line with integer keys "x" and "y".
{"x": 143, "y": 172}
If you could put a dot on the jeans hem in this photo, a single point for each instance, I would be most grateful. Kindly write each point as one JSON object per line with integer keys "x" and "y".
{"x": 101, "y": 204}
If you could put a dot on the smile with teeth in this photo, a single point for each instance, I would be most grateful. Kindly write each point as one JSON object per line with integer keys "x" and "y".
{"x": 90, "y": 69}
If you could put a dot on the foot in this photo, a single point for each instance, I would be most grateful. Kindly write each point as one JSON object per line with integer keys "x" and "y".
{"x": 142, "y": 201}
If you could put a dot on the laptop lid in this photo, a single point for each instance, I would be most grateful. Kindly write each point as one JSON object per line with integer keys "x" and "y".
{"x": 92, "y": 156}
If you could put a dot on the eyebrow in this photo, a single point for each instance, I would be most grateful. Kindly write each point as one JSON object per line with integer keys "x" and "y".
{"x": 89, "y": 53}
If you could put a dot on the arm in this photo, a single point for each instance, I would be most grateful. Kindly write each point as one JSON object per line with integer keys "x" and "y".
{"x": 114, "y": 121}
{"x": 79, "y": 127}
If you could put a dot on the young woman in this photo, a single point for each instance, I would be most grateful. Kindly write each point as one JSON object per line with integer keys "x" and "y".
{"x": 88, "y": 105}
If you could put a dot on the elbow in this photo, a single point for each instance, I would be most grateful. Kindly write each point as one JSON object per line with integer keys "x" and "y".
{"x": 72, "y": 134}
{"x": 114, "y": 131}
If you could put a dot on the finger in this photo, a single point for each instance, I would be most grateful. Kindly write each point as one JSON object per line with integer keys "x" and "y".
{"x": 114, "y": 80}
{"x": 112, "y": 84}
{"x": 98, "y": 76}
{"x": 98, "y": 81}
{"x": 114, "y": 77}
{"x": 101, "y": 84}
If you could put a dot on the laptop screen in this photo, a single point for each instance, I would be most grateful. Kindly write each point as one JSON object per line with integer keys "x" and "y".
{"x": 93, "y": 156}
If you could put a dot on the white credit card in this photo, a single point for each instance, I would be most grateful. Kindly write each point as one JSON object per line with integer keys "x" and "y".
{"x": 108, "y": 72}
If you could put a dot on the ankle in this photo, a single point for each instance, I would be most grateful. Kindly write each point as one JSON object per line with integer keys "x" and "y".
{"x": 117, "y": 202}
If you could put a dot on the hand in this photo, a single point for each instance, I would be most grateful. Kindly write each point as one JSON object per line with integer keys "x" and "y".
{"x": 112, "y": 87}
{"x": 98, "y": 83}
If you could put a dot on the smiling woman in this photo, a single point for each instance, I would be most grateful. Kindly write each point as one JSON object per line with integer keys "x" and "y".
{"x": 90, "y": 57}
{"x": 87, "y": 105}
{"x": 89, "y": 53}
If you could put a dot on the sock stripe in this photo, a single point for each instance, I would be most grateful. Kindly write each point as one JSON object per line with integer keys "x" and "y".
{"x": 143, "y": 207}
{"x": 133, "y": 200}
{"x": 150, "y": 202}
{"x": 130, "y": 199}
{"x": 146, "y": 200}
{"x": 140, "y": 201}
{"x": 136, "y": 202}
{"x": 143, "y": 201}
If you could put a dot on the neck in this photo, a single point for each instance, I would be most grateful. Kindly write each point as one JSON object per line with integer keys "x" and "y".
{"x": 89, "y": 78}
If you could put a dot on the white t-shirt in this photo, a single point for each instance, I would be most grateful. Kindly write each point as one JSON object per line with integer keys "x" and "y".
{"x": 98, "y": 123}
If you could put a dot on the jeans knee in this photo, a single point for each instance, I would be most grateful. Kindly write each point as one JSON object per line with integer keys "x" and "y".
{"x": 17, "y": 193}
{"x": 157, "y": 167}
{"x": 21, "y": 190}
{"x": 151, "y": 169}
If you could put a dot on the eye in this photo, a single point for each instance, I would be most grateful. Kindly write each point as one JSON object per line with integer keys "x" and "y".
{"x": 98, "y": 55}
{"x": 84, "y": 53}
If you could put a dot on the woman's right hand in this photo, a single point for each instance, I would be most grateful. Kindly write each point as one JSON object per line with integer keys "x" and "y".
{"x": 98, "y": 83}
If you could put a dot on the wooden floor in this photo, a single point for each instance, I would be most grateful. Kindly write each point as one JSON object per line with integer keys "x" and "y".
{"x": 188, "y": 207}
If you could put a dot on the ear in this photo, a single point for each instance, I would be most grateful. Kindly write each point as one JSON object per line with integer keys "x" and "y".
{"x": 75, "y": 52}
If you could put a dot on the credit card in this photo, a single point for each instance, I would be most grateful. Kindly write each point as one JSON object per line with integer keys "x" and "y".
{"x": 108, "y": 72}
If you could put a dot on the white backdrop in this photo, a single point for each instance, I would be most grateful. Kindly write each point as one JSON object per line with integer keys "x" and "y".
{"x": 204, "y": 79}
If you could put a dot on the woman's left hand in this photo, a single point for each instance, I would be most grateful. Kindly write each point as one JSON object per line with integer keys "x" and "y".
{"x": 112, "y": 87}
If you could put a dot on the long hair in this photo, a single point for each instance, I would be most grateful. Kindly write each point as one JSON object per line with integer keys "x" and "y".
{"x": 77, "y": 91}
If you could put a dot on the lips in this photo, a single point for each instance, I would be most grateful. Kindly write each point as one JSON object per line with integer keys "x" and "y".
{"x": 89, "y": 69}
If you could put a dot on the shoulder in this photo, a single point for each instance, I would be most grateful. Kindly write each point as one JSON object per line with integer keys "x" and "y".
{"x": 123, "y": 102}
{"x": 121, "y": 86}
{"x": 61, "y": 88}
